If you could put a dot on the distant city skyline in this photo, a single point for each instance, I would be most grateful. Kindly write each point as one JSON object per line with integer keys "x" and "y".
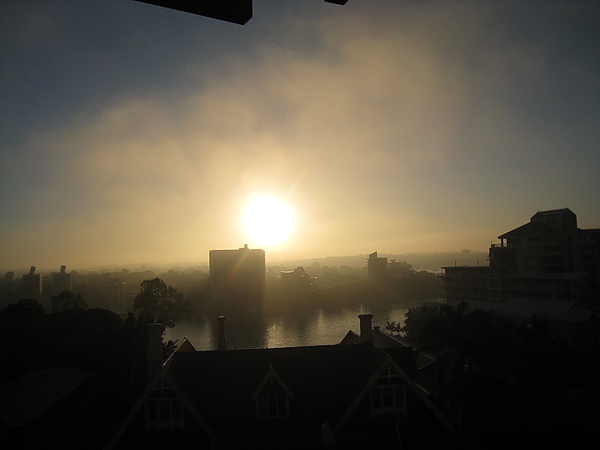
{"x": 420, "y": 261}
{"x": 135, "y": 134}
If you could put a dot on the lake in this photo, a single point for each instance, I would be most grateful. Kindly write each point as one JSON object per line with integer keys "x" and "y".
{"x": 317, "y": 327}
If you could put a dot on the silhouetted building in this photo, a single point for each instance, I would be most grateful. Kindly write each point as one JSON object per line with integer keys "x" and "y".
{"x": 377, "y": 269}
{"x": 421, "y": 366}
{"x": 350, "y": 396}
{"x": 237, "y": 277}
{"x": 296, "y": 281}
{"x": 549, "y": 258}
{"x": 63, "y": 281}
{"x": 466, "y": 283}
{"x": 33, "y": 284}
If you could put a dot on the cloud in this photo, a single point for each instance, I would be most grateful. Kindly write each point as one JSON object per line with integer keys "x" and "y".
{"x": 376, "y": 125}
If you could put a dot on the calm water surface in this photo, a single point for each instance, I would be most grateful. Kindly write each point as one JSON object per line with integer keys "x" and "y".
{"x": 318, "y": 327}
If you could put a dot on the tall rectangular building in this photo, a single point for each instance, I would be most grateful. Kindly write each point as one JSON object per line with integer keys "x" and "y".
{"x": 237, "y": 277}
{"x": 33, "y": 285}
{"x": 63, "y": 281}
{"x": 377, "y": 269}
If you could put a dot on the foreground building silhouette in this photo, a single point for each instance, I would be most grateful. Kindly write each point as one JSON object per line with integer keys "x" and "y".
{"x": 331, "y": 396}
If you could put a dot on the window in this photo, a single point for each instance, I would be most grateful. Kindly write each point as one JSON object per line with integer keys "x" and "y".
{"x": 388, "y": 394}
{"x": 272, "y": 397}
{"x": 163, "y": 408}
{"x": 272, "y": 401}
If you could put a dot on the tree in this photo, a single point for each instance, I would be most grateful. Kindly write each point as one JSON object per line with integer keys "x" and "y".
{"x": 393, "y": 327}
{"x": 68, "y": 300}
{"x": 20, "y": 320}
{"x": 161, "y": 303}
{"x": 415, "y": 322}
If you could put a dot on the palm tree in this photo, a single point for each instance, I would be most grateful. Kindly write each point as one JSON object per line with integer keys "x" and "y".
{"x": 393, "y": 327}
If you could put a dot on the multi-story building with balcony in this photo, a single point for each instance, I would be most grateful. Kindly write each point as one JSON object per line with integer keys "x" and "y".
{"x": 549, "y": 258}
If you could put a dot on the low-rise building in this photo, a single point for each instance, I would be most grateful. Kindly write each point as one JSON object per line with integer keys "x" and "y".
{"x": 347, "y": 396}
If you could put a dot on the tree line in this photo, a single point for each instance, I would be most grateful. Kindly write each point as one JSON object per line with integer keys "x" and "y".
{"x": 72, "y": 335}
{"x": 504, "y": 381}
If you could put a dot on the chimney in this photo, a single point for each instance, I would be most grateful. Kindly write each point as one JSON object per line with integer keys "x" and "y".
{"x": 221, "y": 340}
{"x": 154, "y": 351}
{"x": 366, "y": 330}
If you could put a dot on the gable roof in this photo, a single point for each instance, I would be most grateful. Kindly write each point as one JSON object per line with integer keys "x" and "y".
{"x": 324, "y": 384}
{"x": 272, "y": 374}
{"x": 390, "y": 363}
{"x": 184, "y": 346}
{"x": 161, "y": 375}
{"x": 351, "y": 338}
{"x": 323, "y": 379}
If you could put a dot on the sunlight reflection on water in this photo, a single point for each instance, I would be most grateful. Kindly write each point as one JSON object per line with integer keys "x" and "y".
{"x": 318, "y": 327}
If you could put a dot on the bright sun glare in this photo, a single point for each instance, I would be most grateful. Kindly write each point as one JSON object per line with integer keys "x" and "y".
{"x": 267, "y": 220}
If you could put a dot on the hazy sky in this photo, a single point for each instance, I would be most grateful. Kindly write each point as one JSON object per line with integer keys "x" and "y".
{"x": 133, "y": 133}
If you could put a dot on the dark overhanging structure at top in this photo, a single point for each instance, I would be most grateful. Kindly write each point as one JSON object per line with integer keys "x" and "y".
{"x": 235, "y": 11}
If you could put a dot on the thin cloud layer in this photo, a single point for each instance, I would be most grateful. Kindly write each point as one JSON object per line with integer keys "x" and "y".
{"x": 386, "y": 127}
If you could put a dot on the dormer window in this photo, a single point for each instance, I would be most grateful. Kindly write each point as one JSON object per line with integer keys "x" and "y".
{"x": 163, "y": 407}
{"x": 388, "y": 394}
{"x": 272, "y": 401}
{"x": 272, "y": 398}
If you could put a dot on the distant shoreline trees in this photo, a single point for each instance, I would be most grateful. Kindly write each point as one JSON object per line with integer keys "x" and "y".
{"x": 67, "y": 300}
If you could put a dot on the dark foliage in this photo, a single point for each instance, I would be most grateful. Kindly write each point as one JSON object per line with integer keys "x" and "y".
{"x": 96, "y": 339}
{"x": 160, "y": 303}
{"x": 68, "y": 300}
{"x": 500, "y": 380}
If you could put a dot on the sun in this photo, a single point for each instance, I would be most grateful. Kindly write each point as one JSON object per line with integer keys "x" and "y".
{"x": 267, "y": 220}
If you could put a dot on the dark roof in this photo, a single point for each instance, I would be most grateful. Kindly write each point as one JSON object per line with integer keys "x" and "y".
{"x": 535, "y": 228}
{"x": 405, "y": 358}
{"x": 351, "y": 338}
{"x": 324, "y": 381}
{"x": 553, "y": 212}
{"x": 402, "y": 353}
{"x": 324, "y": 384}
{"x": 184, "y": 346}
{"x": 35, "y": 393}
